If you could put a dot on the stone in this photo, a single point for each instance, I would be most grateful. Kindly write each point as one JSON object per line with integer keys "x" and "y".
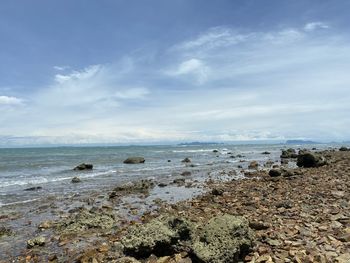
{"x": 83, "y": 166}
{"x": 265, "y": 152}
{"x": 4, "y": 231}
{"x": 275, "y": 173}
{"x": 186, "y": 173}
{"x": 34, "y": 188}
{"x": 224, "y": 238}
{"x": 137, "y": 186}
{"x": 186, "y": 160}
{"x": 289, "y": 153}
{"x": 159, "y": 237}
{"x": 308, "y": 159}
{"x": 253, "y": 165}
{"x": 134, "y": 160}
{"x": 37, "y": 241}
{"x": 344, "y": 149}
{"x": 76, "y": 180}
{"x": 217, "y": 191}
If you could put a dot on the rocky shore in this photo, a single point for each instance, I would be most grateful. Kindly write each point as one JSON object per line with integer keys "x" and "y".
{"x": 275, "y": 214}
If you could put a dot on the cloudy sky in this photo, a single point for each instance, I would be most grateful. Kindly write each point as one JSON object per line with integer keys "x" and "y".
{"x": 103, "y": 71}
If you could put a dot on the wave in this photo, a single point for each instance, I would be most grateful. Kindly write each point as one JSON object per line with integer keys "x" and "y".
{"x": 192, "y": 151}
{"x": 19, "y": 202}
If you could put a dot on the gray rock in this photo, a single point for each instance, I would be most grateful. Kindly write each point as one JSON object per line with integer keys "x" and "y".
{"x": 134, "y": 160}
{"x": 253, "y": 165}
{"x": 159, "y": 237}
{"x": 83, "y": 166}
{"x": 4, "y": 231}
{"x": 37, "y": 241}
{"x": 289, "y": 153}
{"x": 308, "y": 159}
{"x": 35, "y": 188}
{"x": 275, "y": 173}
{"x": 344, "y": 149}
{"x": 224, "y": 239}
{"x": 186, "y": 160}
{"x": 76, "y": 180}
{"x": 186, "y": 173}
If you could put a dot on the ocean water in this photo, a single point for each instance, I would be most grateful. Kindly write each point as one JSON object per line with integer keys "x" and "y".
{"x": 52, "y": 168}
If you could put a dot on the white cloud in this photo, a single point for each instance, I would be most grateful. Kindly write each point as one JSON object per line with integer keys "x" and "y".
{"x": 61, "y": 68}
{"x": 312, "y": 26}
{"x": 6, "y": 100}
{"x": 220, "y": 85}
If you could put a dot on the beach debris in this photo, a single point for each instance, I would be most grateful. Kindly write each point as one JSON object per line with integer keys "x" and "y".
{"x": 34, "y": 188}
{"x": 307, "y": 159}
{"x": 37, "y": 241}
{"x": 289, "y": 153}
{"x": 83, "y": 166}
{"x": 76, "y": 180}
{"x": 186, "y": 160}
{"x": 134, "y": 160}
{"x": 253, "y": 165}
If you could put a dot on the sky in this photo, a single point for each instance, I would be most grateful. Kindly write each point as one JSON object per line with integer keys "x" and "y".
{"x": 117, "y": 71}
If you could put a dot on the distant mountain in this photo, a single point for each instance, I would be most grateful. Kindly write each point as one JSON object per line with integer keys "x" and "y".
{"x": 198, "y": 143}
{"x": 301, "y": 142}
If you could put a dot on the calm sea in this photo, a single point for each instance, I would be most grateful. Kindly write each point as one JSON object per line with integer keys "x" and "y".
{"x": 51, "y": 168}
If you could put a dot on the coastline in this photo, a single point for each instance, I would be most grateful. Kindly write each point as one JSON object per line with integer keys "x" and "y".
{"x": 300, "y": 218}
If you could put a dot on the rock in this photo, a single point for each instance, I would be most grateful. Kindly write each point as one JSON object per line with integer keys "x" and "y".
{"x": 76, "y": 180}
{"x": 179, "y": 181}
{"x": 253, "y": 165}
{"x": 225, "y": 238}
{"x": 45, "y": 225}
{"x": 275, "y": 173}
{"x": 344, "y": 258}
{"x": 162, "y": 185}
{"x": 344, "y": 149}
{"x": 265, "y": 152}
{"x": 34, "y": 188}
{"x": 37, "y": 241}
{"x": 268, "y": 164}
{"x": 138, "y": 186}
{"x": 258, "y": 225}
{"x": 128, "y": 260}
{"x": 4, "y": 231}
{"x": 159, "y": 237}
{"x": 289, "y": 153}
{"x": 186, "y": 173}
{"x": 215, "y": 151}
{"x": 134, "y": 160}
{"x": 217, "y": 191}
{"x": 94, "y": 218}
{"x": 308, "y": 159}
{"x": 83, "y": 166}
{"x": 186, "y": 160}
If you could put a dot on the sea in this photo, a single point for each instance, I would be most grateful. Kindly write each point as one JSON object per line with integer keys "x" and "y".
{"x": 51, "y": 169}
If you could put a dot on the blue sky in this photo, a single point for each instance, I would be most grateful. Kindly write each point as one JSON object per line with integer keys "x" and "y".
{"x": 156, "y": 71}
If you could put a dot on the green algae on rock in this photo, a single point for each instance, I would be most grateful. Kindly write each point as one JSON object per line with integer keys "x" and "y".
{"x": 161, "y": 236}
{"x": 223, "y": 239}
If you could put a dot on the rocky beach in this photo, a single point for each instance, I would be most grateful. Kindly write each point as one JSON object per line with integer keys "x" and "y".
{"x": 294, "y": 209}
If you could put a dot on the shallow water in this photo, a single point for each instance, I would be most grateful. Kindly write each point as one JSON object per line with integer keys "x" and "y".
{"x": 51, "y": 168}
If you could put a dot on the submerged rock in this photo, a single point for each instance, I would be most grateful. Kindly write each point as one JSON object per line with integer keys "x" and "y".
{"x": 186, "y": 160}
{"x": 307, "y": 159}
{"x": 34, "y": 188}
{"x": 265, "y": 152}
{"x": 160, "y": 237}
{"x": 134, "y": 160}
{"x": 224, "y": 239}
{"x": 186, "y": 173}
{"x": 37, "y": 241}
{"x": 83, "y": 166}
{"x": 76, "y": 180}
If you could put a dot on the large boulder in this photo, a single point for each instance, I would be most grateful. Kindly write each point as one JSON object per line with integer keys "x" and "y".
{"x": 307, "y": 159}
{"x": 83, "y": 166}
{"x": 344, "y": 149}
{"x": 160, "y": 237}
{"x": 289, "y": 153}
{"x": 134, "y": 160}
{"x": 223, "y": 239}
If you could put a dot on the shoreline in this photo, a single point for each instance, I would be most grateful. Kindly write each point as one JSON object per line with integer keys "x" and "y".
{"x": 292, "y": 210}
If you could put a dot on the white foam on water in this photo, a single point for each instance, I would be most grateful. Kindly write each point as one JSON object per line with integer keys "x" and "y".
{"x": 19, "y": 202}
{"x": 193, "y": 151}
